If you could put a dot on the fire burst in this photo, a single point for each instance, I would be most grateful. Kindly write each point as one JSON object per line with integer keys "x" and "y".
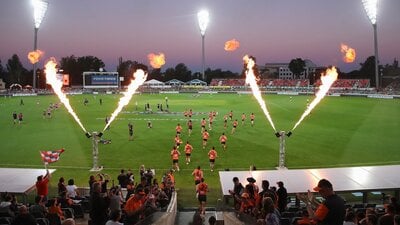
{"x": 231, "y": 45}
{"x": 56, "y": 84}
{"x": 349, "y": 53}
{"x": 327, "y": 80}
{"x": 251, "y": 80}
{"x": 156, "y": 61}
{"x": 34, "y": 56}
{"x": 140, "y": 77}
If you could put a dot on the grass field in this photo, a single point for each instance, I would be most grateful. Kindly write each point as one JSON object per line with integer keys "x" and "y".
{"x": 341, "y": 131}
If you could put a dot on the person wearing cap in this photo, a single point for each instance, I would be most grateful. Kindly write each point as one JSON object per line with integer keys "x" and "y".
{"x": 134, "y": 207}
{"x": 236, "y": 192}
{"x": 331, "y": 211}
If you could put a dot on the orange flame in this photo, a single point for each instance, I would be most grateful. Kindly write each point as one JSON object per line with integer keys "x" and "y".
{"x": 231, "y": 45}
{"x": 327, "y": 80}
{"x": 156, "y": 61}
{"x": 349, "y": 53}
{"x": 34, "y": 56}
{"x": 140, "y": 77}
{"x": 252, "y": 81}
{"x": 56, "y": 84}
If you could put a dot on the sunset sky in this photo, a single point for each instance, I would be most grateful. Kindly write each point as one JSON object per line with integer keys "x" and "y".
{"x": 271, "y": 30}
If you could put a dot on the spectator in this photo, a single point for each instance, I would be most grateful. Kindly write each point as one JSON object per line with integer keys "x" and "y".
{"x": 282, "y": 197}
{"x": 72, "y": 189}
{"x": 23, "y": 217}
{"x": 212, "y": 220}
{"x": 134, "y": 208}
{"x": 236, "y": 192}
{"x": 61, "y": 186}
{"x": 115, "y": 217}
{"x": 304, "y": 220}
{"x": 397, "y": 220}
{"x": 331, "y": 211}
{"x": 388, "y": 217}
{"x": 271, "y": 217}
{"x": 38, "y": 210}
{"x": 42, "y": 187}
{"x": 116, "y": 199}
{"x": 6, "y": 206}
{"x": 98, "y": 206}
{"x": 55, "y": 210}
{"x": 350, "y": 218}
{"x": 122, "y": 179}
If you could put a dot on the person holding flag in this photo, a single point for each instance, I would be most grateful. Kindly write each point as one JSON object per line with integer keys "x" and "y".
{"x": 42, "y": 186}
{"x": 42, "y": 183}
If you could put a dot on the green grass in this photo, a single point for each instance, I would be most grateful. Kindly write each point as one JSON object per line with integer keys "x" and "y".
{"x": 341, "y": 131}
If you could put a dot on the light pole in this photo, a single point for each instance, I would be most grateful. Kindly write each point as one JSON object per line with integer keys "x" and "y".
{"x": 39, "y": 10}
{"x": 371, "y": 8}
{"x": 203, "y": 19}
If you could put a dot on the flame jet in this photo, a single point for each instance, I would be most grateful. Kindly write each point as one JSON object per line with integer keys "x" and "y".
{"x": 327, "y": 80}
{"x": 56, "y": 84}
{"x": 252, "y": 81}
{"x": 140, "y": 77}
{"x": 156, "y": 61}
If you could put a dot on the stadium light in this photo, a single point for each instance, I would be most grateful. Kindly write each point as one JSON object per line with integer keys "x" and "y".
{"x": 203, "y": 19}
{"x": 371, "y": 8}
{"x": 39, "y": 10}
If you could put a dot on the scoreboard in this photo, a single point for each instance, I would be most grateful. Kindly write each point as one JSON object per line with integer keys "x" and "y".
{"x": 100, "y": 79}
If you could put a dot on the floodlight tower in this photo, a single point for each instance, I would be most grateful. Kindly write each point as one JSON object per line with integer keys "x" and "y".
{"x": 39, "y": 10}
{"x": 371, "y": 8}
{"x": 203, "y": 18}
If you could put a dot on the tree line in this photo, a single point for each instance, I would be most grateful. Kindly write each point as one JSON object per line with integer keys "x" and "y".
{"x": 14, "y": 71}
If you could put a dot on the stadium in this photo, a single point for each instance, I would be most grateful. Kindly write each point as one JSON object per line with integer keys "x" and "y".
{"x": 352, "y": 127}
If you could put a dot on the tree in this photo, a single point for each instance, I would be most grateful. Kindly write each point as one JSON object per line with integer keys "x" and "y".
{"x": 16, "y": 71}
{"x": 76, "y": 66}
{"x": 125, "y": 70}
{"x": 182, "y": 73}
{"x": 297, "y": 66}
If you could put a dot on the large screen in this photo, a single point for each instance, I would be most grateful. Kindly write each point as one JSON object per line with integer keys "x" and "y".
{"x": 100, "y": 79}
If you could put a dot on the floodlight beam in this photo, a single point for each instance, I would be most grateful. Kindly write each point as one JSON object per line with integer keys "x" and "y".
{"x": 203, "y": 19}
{"x": 371, "y": 8}
{"x": 39, "y": 11}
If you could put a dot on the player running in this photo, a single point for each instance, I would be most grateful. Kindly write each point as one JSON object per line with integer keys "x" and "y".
{"x": 243, "y": 117}
{"x": 205, "y": 136}
{"x": 188, "y": 152}
{"x": 190, "y": 127}
{"x": 178, "y": 141}
{"x": 212, "y": 154}
{"x": 252, "y": 117}
{"x": 222, "y": 139}
{"x": 198, "y": 175}
{"x": 178, "y": 129}
{"x": 203, "y": 125}
{"x": 234, "y": 125}
{"x": 175, "y": 158}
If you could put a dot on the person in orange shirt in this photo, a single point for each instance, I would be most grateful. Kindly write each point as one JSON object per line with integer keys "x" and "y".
{"x": 198, "y": 175}
{"x": 175, "y": 158}
{"x": 178, "y": 141}
{"x": 231, "y": 115}
{"x": 222, "y": 140}
{"x": 252, "y": 117}
{"x": 203, "y": 125}
{"x": 134, "y": 207}
{"x": 205, "y": 136}
{"x": 212, "y": 154}
{"x": 188, "y": 151}
{"x": 243, "y": 118}
{"x": 178, "y": 129}
{"x": 190, "y": 113}
{"x": 190, "y": 127}
{"x": 234, "y": 125}
{"x": 202, "y": 189}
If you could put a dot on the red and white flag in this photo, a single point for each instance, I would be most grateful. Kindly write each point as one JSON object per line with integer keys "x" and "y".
{"x": 51, "y": 156}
